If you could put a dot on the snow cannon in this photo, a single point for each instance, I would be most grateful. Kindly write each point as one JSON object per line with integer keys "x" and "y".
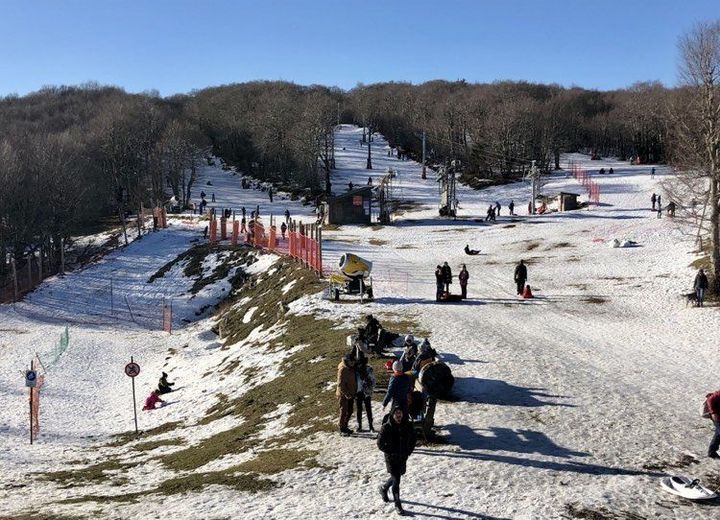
{"x": 353, "y": 278}
{"x": 437, "y": 379}
{"x": 352, "y": 265}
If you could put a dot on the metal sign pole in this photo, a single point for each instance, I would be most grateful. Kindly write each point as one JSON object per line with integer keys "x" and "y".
{"x": 134, "y": 402}
{"x": 31, "y": 405}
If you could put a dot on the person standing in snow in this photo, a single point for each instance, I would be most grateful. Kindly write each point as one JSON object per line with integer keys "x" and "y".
{"x": 287, "y": 216}
{"x": 497, "y": 208}
{"x": 520, "y": 277}
{"x": 700, "y": 285}
{"x": 439, "y": 284}
{"x": 152, "y": 400}
{"x": 659, "y": 202}
{"x": 511, "y": 207}
{"x": 213, "y": 197}
{"x": 397, "y": 441}
{"x": 283, "y": 229}
{"x": 653, "y": 199}
{"x": 447, "y": 276}
{"x": 652, "y": 173}
{"x": 270, "y": 193}
{"x": 243, "y": 211}
{"x": 370, "y": 181}
{"x": 366, "y": 387}
{"x": 398, "y": 388}
{"x": 463, "y": 278}
{"x": 345, "y": 392}
{"x": 407, "y": 359}
{"x": 488, "y": 213}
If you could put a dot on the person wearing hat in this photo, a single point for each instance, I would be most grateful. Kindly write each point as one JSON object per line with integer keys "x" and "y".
{"x": 164, "y": 386}
{"x": 409, "y": 354}
{"x": 463, "y": 277}
{"x": 398, "y": 388}
{"x": 152, "y": 400}
{"x": 345, "y": 392}
{"x": 397, "y": 441}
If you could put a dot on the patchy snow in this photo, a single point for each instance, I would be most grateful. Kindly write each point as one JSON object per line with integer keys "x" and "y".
{"x": 288, "y": 286}
{"x": 572, "y": 397}
{"x": 249, "y": 314}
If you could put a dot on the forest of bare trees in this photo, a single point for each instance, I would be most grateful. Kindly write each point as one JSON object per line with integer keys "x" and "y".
{"x": 71, "y": 157}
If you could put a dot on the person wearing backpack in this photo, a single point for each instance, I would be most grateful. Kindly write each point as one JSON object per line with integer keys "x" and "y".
{"x": 712, "y": 411}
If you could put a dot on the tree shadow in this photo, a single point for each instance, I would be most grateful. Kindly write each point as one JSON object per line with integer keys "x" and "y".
{"x": 566, "y": 466}
{"x": 507, "y": 439}
{"x": 498, "y": 392}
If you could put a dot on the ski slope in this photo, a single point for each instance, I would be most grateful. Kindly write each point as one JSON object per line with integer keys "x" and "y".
{"x": 582, "y": 397}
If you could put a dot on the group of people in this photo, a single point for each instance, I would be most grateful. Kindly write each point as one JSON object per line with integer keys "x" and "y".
{"x": 657, "y": 200}
{"x": 443, "y": 280}
{"x": 164, "y": 387}
{"x": 355, "y": 386}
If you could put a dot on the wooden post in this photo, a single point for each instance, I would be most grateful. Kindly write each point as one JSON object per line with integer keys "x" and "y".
{"x": 40, "y": 265}
{"x": 62, "y": 255}
{"x": 14, "y": 275}
{"x": 29, "y": 270}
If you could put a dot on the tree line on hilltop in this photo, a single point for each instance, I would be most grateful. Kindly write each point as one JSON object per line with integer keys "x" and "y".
{"x": 70, "y": 156}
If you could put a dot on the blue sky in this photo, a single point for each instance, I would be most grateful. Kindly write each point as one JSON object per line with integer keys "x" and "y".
{"x": 176, "y": 46}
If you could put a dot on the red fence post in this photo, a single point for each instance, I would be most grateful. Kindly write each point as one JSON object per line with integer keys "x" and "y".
{"x": 213, "y": 231}
{"x": 235, "y": 232}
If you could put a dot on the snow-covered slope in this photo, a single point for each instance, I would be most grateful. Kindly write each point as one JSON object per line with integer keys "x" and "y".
{"x": 572, "y": 402}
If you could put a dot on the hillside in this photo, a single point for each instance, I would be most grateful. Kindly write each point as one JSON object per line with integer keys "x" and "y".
{"x": 570, "y": 404}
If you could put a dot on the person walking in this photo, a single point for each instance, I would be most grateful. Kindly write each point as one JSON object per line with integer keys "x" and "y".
{"x": 511, "y": 207}
{"x": 700, "y": 285}
{"x": 447, "y": 276}
{"x": 653, "y": 199}
{"x": 366, "y": 387}
{"x": 287, "y": 216}
{"x": 463, "y": 278}
{"x": 397, "y": 441}
{"x": 439, "y": 285}
{"x": 283, "y": 229}
{"x": 520, "y": 277}
{"x": 345, "y": 392}
{"x": 488, "y": 215}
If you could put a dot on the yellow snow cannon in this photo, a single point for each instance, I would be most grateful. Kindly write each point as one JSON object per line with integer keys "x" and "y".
{"x": 353, "y": 277}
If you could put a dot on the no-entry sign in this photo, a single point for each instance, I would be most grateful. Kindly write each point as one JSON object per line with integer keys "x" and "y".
{"x": 132, "y": 369}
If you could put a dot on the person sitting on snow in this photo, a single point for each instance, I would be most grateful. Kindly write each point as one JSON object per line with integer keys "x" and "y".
{"x": 164, "y": 385}
{"x": 427, "y": 355}
{"x": 408, "y": 356}
{"x": 469, "y": 251}
{"x": 152, "y": 400}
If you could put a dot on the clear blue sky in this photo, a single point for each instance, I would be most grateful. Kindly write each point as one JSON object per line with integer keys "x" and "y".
{"x": 179, "y": 45}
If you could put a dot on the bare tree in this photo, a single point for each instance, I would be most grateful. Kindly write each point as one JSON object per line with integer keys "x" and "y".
{"x": 697, "y": 126}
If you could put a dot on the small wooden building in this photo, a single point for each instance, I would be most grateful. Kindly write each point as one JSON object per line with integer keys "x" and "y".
{"x": 352, "y": 207}
{"x": 568, "y": 201}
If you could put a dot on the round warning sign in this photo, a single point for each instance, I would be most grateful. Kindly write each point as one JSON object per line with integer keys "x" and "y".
{"x": 132, "y": 369}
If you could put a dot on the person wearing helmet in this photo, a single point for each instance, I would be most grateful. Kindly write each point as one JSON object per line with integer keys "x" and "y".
{"x": 398, "y": 388}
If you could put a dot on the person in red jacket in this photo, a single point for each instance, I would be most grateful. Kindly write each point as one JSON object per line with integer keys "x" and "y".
{"x": 152, "y": 400}
{"x": 713, "y": 407}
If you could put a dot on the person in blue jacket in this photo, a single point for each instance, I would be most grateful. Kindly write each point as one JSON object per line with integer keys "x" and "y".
{"x": 398, "y": 388}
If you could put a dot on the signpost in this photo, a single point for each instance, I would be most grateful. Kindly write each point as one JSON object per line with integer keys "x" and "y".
{"x": 132, "y": 369}
{"x": 31, "y": 382}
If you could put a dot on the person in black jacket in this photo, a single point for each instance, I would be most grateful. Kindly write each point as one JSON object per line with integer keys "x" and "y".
{"x": 520, "y": 276}
{"x": 440, "y": 286}
{"x": 397, "y": 442}
{"x": 447, "y": 276}
{"x": 164, "y": 386}
{"x": 700, "y": 285}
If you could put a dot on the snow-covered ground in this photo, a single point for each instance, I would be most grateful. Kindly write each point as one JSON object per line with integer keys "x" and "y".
{"x": 576, "y": 397}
